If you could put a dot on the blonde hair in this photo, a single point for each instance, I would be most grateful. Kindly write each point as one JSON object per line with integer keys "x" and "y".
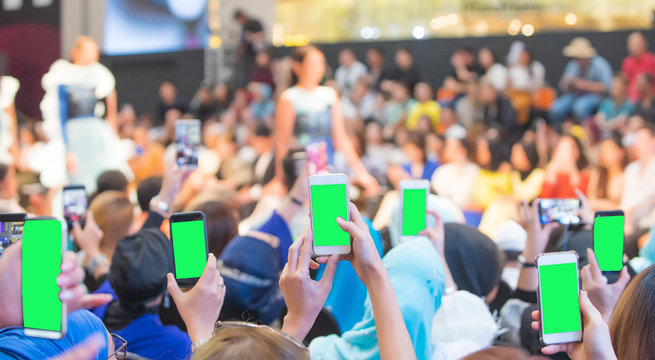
{"x": 114, "y": 213}
{"x": 241, "y": 341}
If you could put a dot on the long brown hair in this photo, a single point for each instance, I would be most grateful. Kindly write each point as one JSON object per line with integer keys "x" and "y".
{"x": 249, "y": 343}
{"x": 633, "y": 323}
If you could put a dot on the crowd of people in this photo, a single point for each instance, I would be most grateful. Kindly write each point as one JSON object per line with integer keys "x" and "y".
{"x": 492, "y": 140}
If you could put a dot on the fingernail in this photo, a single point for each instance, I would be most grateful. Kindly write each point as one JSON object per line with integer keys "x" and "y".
{"x": 62, "y": 279}
{"x": 67, "y": 266}
{"x": 66, "y": 295}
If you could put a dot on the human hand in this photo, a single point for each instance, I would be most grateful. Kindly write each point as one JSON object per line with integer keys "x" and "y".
{"x": 364, "y": 255}
{"x": 88, "y": 239}
{"x": 586, "y": 213}
{"x": 87, "y": 350}
{"x": 200, "y": 306}
{"x": 370, "y": 184}
{"x": 436, "y": 234}
{"x": 304, "y": 297}
{"x": 71, "y": 163}
{"x": 275, "y": 187}
{"x": 73, "y": 292}
{"x": 537, "y": 235}
{"x": 596, "y": 342}
{"x": 174, "y": 178}
{"x": 603, "y": 296}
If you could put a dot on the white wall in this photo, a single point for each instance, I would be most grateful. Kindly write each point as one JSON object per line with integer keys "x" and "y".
{"x": 80, "y": 17}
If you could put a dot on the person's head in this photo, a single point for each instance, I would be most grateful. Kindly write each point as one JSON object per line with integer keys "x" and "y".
{"x": 308, "y": 65}
{"x": 375, "y": 57}
{"x": 633, "y": 321}
{"x": 486, "y": 58}
{"x": 404, "y": 59}
{"x": 581, "y": 50}
{"x": 455, "y": 149}
{"x": 263, "y": 59}
{"x": 467, "y": 54}
{"x": 612, "y": 154}
{"x": 619, "y": 88}
{"x": 221, "y": 222}
{"x": 148, "y": 189}
{"x": 114, "y": 214}
{"x": 489, "y": 152}
{"x": 168, "y": 92}
{"x": 569, "y": 149}
{"x": 400, "y": 91}
{"x": 644, "y": 145}
{"x": 240, "y": 16}
{"x": 525, "y": 58}
{"x": 8, "y": 182}
{"x": 221, "y": 93}
{"x": 414, "y": 147}
{"x": 262, "y": 139}
{"x": 373, "y": 133}
{"x": 85, "y": 51}
{"x": 434, "y": 144}
{"x": 524, "y": 157}
{"x": 423, "y": 92}
{"x": 240, "y": 341}
{"x": 204, "y": 95}
{"x": 637, "y": 44}
{"x": 347, "y": 57}
{"x": 111, "y": 180}
{"x": 488, "y": 95}
{"x": 362, "y": 87}
{"x": 644, "y": 84}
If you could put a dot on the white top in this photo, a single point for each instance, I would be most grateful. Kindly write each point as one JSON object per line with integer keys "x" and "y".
{"x": 347, "y": 77}
{"x": 639, "y": 191}
{"x": 8, "y": 88}
{"x": 497, "y": 76}
{"x": 528, "y": 79}
{"x": 455, "y": 182}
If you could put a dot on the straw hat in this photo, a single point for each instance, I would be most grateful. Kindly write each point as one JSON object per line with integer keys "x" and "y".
{"x": 579, "y": 48}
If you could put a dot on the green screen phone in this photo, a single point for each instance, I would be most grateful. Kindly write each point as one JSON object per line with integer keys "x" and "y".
{"x": 414, "y": 206}
{"x": 608, "y": 239}
{"x": 189, "y": 241}
{"x": 558, "y": 297}
{"x": 329, "y": 200}
{"x": 43, "y": 312}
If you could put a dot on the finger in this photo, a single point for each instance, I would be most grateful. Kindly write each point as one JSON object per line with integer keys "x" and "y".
{"x": 71, "y": 278}
{"x": 313, "y": 265}
{"x": 68, "y": 262}
{"x": 209, "y": 273}
{"x": 554, "y": 349}
{"x": 623, "y": 280}
{"x": 355, "y": 216}
{"x": 71, "y": 295}
{"x": 322, "y": 259}
{"x": 427, "y": 232}
{"x": 173, "y": 289}
{"x": 535, "y": 315}
{"x": 77, "y": 231}
{"x": 587, "y": 280}
{"x": 88, "y": 349}
{"x": 589, "y": 312}
{"x": 594, "y": 269}
{"x": 434, "y": 214}
{"x": 294, "y": 252}
{"x": 535, "y": 211}
{"x": 305, "y": 257}
{"x": 90, "y": 301}
{"x": 328, "y": 275}
{"x": 536, "y": 325}
{"x": 90, "y": 220}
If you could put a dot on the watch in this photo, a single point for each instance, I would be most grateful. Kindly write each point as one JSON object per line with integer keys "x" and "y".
{"x": 157, "y": 205}
{"x": 97, "y": 261}
{"x": 525, "y": 263}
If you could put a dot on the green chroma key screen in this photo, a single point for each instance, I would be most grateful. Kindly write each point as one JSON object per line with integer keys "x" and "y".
{"x": 414, "y": 207}
{"x": 189, "y": 249}
{"x": 41, "y": 266}
{"x": 328, "y": 203}
{"x": 608, "y": 242}
{"x": 559, "y": 298}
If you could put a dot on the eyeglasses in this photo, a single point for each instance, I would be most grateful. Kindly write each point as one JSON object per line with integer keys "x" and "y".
{"x": 226, "y": 324}
{"x": 120, "y": 348}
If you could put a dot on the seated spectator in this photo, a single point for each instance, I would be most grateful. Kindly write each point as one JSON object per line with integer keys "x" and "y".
{"x": 9, "y": 190}
{"x": 469, "y": 110}
{"x": 456, "y": 165}
{"x": 203, "y": 105}
{"x": 360, "y": 103}
{"x": 348, "y": 72}
{"x": 148, "y": 154}
{"x": 376, "y": 151}
{"x": 526, "y": 77}
{"x": 645, "y": 106}
{"x": 110, "y": 180}
{"x": 495, "y": 73}
{"x": 567, "y": 170}
{"x": 527, "y": 177}
{"x": 606, "y": 179}
{"x": 614, "y": 111}
{"x": 639, "y": 61}
{"x": 405, "y": 70}
{"x": 586, "y": 80}
{"x": 397, "y": 107}
{"x": 168, "y": 100}
{"x": 418, "y": 167}
{"x": 464, "y": 70}
{"x": 262, "y": 107}
{"x": 499, "y": 114}
{"x": 222, "y": 97}
{"x": 261, "y": 71}
{"x": 424, "y": 106}
{"x": 638, "y": 188}
{"x": 493, "y": 180}
{"x": 375, "y": 59}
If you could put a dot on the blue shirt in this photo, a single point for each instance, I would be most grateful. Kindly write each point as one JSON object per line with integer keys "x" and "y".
{"x": 428, "y": 169}
{"x": 611, "y": 111}
{"x": 148, "y": 337}
{"x": 599, "y": 70}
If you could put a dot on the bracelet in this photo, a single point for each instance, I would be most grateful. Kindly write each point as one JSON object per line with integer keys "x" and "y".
{"x": 95, "y": 262}
{"x": 197, "y": 344}
{"x": 525, "y": 263}
{"x": 296, "y": 201}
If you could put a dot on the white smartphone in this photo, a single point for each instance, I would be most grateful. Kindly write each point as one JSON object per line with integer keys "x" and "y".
{"x": 558, "y": 296}
{"x": 328, "y": 199}
{"x": 187, "y": 142}
{"x": 44, "y": 315}
{"x": 413, "y": 205}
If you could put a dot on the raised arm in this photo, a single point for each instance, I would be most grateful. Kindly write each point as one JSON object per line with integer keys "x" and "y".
{"x": 284, "y": 123}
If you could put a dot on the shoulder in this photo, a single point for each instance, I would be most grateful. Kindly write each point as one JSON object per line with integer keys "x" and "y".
{"x": 328, "y": 92}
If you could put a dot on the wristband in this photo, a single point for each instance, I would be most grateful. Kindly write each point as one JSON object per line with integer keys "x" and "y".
{"x": 197, "y": 344}
{"x": 296, "y": 201}
{"x": 95, "y": 262}
{"x": 525, "y": 263}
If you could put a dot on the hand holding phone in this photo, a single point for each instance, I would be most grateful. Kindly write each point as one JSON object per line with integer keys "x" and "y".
{"x": 189, "y": 242}
{"x": 557, "y": 294}
{"x": 414, "y": 200}
{"x": 187, "y": 142}
{"x": 328, "y": 197}
{"x": 563, "y": 211}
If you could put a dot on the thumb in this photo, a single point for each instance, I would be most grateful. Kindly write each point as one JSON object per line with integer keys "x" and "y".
{"x": 77, "y": 230}
{"x": 328, "y": 275}
{"x": 623, "y": 280}
{"x": 173, "y": 288}
{"x": 589, "y": 312}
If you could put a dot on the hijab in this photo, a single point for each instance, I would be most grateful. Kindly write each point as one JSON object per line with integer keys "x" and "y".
{"x": 417, "y": 277}
{"x": 81, "y": 324}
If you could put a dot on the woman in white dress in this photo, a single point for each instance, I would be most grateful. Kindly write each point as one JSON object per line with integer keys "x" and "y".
{"x": 8, "y": 129}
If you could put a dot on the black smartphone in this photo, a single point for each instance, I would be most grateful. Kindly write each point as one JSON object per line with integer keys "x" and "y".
{"x": 189, "y": 242}
{"x": 75, "y": 205}
{"x": 11, "y": 229}
{"x": 563, "y": 211}
{"x": 608, "y": 242}
{"x": 187, "y": 142}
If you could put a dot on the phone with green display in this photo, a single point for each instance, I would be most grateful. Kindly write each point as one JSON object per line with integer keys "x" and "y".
{"x": 608, "y": 242}
{"x": 328, "y": 199}
{"x": 44, "y": 315}
{"x": 414, "y": 204}
{"x": 558, "y": 297}
{"x": 189, "y": 242}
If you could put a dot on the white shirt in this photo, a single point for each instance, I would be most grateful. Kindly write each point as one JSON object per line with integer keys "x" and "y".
{"x": 639, "y": 191}
{"x": 455, "y": 182}
{"x": 528, "y": 79}
{"x": 8, "y": 88}
{"x": 346, "y": 77}
{"x": 497, "y": 76}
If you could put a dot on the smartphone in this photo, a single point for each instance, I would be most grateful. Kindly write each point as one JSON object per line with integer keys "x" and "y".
{"x": 557, "y": 294}
{"x": 328, "y": 199}
{"x": 317, "y": 158}
{"x": 11, "y": 229}
{"x": 414, "y": 203}
{"x": 44, "y": 315}
{"x": 75, "y": 205}
{"x": 187, "y": 142}
{"x": 563, "y": 211}
{"x": 608, "y": 240}
{"x": 189, "y": 242}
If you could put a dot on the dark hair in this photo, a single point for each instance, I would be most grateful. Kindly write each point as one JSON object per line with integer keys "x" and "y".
{"x": 603, "y": 172}
{"x": 4, "y": 169}
{"x": 298, "y": 55}
{"x": 263, "y": 130}
{"x": 582, "y": 162}
{"x": 237, "y": 13}
{"x": 467, "y": 49}
{"x": 621, "y": 76}
{"x": 111, "y": 180}
{"x": 417, "y": 139}
{"x": 147, "y": 189}
{"x": 648, "y": 77}
{"x": 532, "y": 155}
{"x": 221, "y": 225}
{"x": 379, "y": 50}
{"x": 491, "y": 51}
{"x": 497, "y": 152}
{"x": 405, "y": 49}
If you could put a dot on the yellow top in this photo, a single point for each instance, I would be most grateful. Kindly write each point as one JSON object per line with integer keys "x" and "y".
{"x": 489, "y": 186}
{"x": 430, "y": 109}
